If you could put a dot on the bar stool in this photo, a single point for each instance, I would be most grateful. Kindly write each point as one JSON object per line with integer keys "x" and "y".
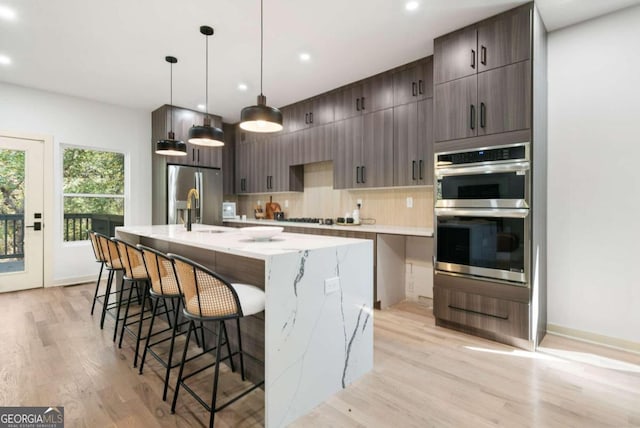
{"x": 136, "y": 274}
{"x": 209, "y": 297}
{"x": 113, "y": 265}
{"x": 97, "y": 252}
{"x": 164, "y": 286}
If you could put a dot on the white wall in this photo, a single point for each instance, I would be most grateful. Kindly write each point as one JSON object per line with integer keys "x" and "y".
{"x": 81, "y": 122}
{"x": 594, "y": 176}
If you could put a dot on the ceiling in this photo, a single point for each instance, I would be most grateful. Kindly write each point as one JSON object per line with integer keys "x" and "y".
{"x": 113, "y": 51}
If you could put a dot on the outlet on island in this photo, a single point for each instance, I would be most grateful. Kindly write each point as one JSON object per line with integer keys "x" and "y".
{"x": 331, "y": 285}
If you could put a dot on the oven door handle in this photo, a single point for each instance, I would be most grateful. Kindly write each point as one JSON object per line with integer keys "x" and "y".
{"x": 517, "y": 167}
{"x": 483, "y": 212}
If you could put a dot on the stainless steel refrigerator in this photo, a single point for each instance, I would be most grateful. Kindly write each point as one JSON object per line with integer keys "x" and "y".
{"x": 208, "y": 182}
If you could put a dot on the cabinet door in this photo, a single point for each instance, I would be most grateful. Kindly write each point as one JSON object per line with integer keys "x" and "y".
{"x": 347, "y": 102}
{"x": 240, "y": 161}
{"x": 377, "y": 149}
{"x": 504, "y": 99}
{"x": 425, "y": 141}
{"x": 322, "y": 109}
{"x": 424, "y": 74}
{"x": 456, "y": 110}
{"x": 505, "y": 39}
{"x": 377, "y": 93}
{"x": 413, "y": 83}
{"x": 279, "y": 174}
{"x": 405, "y": 140}
{"x": 347, "y": 152}
{"x": 455, "y": 55}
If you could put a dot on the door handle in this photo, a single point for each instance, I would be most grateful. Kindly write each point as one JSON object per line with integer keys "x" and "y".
{"x": 473, "y": 58}
{"x": 198, "y": 155}
{"x": 472, "y": 116}
{"x": 36, "y": 225}
{"x": 311, "y": 117}
{"x": 306, "y": 118}
{"x": 358, "y": 104}
{"x": 357, "y": 174}
{"x": 362, "y": 105}
{"x": 414, "y": 89}
{"x": 421, "y": 162}
{"x": 483, "y": 55}
{"x": 413, "y": 170}
{"x": 421, "y": 87}
{"x": 483, "y": 116}
{"x": 362, "y": 178}
{"x": 193, "y": 155}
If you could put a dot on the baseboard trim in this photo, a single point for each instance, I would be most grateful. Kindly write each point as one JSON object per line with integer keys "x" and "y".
{"x": 72, "y": 281}
{"x": 597, "y": 339}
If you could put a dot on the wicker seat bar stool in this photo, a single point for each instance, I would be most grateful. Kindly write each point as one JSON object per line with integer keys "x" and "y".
{"x": 209, "y": 297}
{"x": 136, "y": 274}
{"x": 100, "y": 258}
{"x": 113, "y": 265}
{"x": 164, "y": 286}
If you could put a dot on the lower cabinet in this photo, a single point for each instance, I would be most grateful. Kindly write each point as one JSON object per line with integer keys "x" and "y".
{"x": 495, "y": 311}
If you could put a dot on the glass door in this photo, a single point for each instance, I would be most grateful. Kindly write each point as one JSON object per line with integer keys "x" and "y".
{"x": 21, "y": 212}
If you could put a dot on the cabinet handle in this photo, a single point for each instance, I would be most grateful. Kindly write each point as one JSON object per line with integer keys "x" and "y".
{"x": 362, "y": 180}
{"x": 357, "y": 174}
{"x": 483, "y": 116}
{"x": 306, "y": 118}
{"x": 271, "y": 182}
{"x": 193, "y": 155}
{"x": 421, "y": 87}
{"x": 483, "y": 55}
{"x": 358, "y": 104}
{"x": 413, "y": 170}
{"x": 472, "y": 116}
{"x": 198, "y": 155}
{"x": 362, "y": 105}
{"x": 473, "y": 58}
{"x": 414, "y": 89}
{"x": 311, "y": 117}
{"x": 421, "y": 162}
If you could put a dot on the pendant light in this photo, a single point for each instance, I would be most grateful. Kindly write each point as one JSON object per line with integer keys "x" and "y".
{"x": 261, "y": 117}
{"x": 206, "y": 135}
{"x": 170, "y": 146}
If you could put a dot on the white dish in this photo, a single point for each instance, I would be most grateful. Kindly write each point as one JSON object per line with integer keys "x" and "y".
{"x": 261, "y": 233}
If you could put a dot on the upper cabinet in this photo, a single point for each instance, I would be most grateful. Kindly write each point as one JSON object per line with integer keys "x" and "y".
{"x": 498, "y": 41}
{"x": 413, "y": 143}
{"x": 482, "y": 77}
{"x": 309, "y": 113}
{"x": 413, "y": 82}
{"x": 373, "y": 94}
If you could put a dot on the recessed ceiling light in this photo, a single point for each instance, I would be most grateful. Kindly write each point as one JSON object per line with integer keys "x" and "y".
{"x": 242, "y": 87}
{"x": 411, "y": 5}
{"x": 5, "y": 60}
{"x": 201, "y": 106}
{"x": 6, "y": 13}
{"x": 304, "y": 57}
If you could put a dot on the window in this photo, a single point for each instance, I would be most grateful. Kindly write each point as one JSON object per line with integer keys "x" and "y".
{"x": 93, "y": 192}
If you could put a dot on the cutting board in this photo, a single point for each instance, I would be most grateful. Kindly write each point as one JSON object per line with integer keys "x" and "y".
{"x": 270, "y": 208}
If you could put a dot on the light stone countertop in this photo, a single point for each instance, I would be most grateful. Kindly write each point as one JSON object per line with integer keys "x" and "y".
{"x": 370, "y": 228}
{"x": 232, "y": 240}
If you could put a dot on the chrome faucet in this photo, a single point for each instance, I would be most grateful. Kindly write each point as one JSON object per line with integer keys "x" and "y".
{"x": 192, "y": 192}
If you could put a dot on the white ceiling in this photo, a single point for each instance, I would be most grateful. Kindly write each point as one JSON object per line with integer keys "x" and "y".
{"x": 113, "y": 51}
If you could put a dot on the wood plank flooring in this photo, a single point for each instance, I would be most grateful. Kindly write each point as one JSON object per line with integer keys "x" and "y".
{"x": 54, "y": 353}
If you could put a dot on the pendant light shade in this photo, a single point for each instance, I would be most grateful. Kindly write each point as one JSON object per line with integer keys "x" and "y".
{"x": 170, "y": 146}
{"x": 206, "y": 135}
{"x": 261, "y": 117}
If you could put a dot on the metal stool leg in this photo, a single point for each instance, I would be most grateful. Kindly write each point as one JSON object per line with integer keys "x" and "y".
{"x": 217, "y": 374}
{"x": 240, "y": 348}
{"x": 146, "y": 345}
{"x": 145, "y": 291}
{"x": 115, "y": 328}
{"x": 95, "y": 295}
{"x": 126, "y": 314}
{"x": 173, "y": 340}
{"x": 106, "y": 298}
{"x": 226, "y": 339}
{"x": 184, "y": 357}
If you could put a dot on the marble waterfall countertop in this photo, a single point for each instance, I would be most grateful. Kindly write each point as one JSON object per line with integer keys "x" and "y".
{"x": 370, "y": 228}
{"x": 318, "y": 318}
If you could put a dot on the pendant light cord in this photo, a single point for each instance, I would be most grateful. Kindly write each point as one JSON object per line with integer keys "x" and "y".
{"x": 206, "y": 78}
{"x": 171, "y": 93}
{"x": 261, "y": 41}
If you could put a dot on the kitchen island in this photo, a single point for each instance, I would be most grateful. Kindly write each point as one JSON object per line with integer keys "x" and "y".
{"x": 316, "y": 333}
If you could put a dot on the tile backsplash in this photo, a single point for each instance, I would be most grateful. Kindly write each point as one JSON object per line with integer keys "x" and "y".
{"x": 319, "y": 199}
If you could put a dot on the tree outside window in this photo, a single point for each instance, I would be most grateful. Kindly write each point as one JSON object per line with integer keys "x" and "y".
{"x": 93, "y": 192}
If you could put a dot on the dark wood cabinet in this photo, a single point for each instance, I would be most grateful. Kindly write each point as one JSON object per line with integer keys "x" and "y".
{"x": 311, "y": 145}
{"x": 373, "y": 94}
{"x": 489, "y": 92}
{"x": 413, "y": 82}
{"x": 455, "y": 55}
{"x": 413, "y": 143}
{"x": 228, "y": 159}
{"x": 505, "y": 39}
{"x": 306, "y": 114}
{"x": 363, "y": 149}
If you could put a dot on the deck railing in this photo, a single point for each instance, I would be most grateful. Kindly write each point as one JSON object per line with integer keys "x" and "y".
{"x": 11, "y": 236}
{"x": 75, "y": 227}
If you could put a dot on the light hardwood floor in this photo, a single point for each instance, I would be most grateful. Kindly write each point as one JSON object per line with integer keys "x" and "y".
{"x": 54, "y": 353}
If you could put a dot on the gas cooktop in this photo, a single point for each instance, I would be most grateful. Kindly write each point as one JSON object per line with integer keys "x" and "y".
{"x": 303, "y": 219}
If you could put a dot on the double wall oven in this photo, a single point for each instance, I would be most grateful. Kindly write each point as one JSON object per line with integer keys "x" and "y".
{"x": 482, "y": 218}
